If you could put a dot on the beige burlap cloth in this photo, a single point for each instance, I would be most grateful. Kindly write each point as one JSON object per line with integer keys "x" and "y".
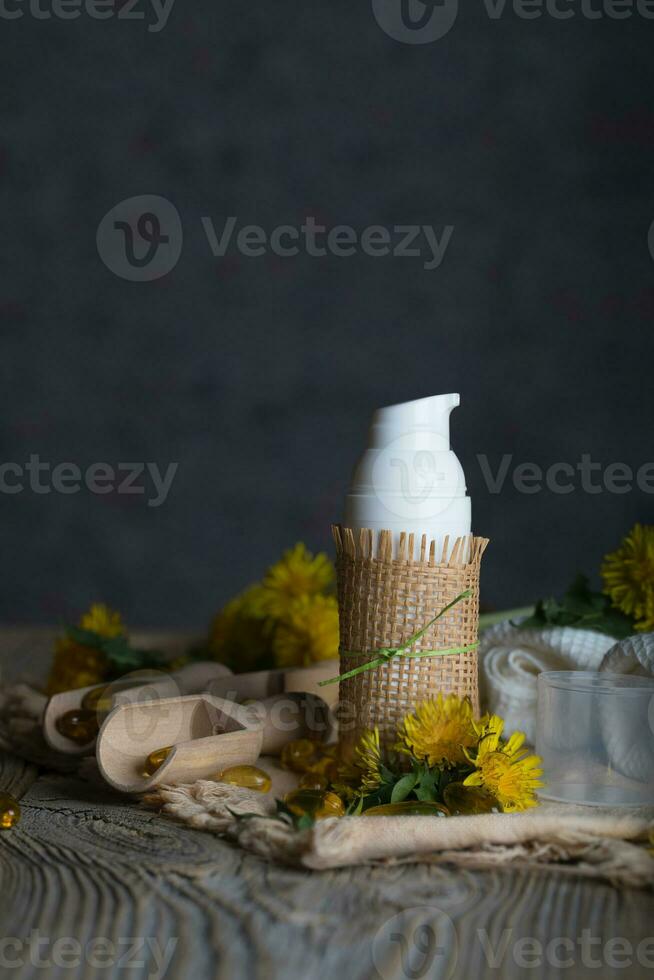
{"x": 590, "y": 841}
{"x": 594, "y": 842}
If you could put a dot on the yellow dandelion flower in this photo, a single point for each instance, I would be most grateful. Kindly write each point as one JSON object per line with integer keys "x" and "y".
{"x": 102, "y": 620}
{"x": 298, "y": 574}
{"x": 308, "y": 633}
{"x": 75, "y": 665}
{"x": 504, "y": 769}
{"x": 250, "y": 603}
{"x": 238, "y": 636}
{"x": 361, "y": 772}
{"x": 628, "y": 575}
{"x": 438, "y": 731}
{"x": 369, "y": 760}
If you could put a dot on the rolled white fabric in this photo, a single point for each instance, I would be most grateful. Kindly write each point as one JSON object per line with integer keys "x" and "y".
{"x": 511, "y": 659}
{"x": 635, "y": 655}
{"x": 630, "y": 741}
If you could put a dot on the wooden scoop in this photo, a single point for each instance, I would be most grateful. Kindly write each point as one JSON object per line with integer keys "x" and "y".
{"x": 264, "y": 683}
{"x": 145, "y": 685}
{"x": 207, "y": 734}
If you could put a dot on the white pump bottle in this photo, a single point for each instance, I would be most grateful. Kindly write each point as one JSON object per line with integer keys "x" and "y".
{"x": 408, "y": 478}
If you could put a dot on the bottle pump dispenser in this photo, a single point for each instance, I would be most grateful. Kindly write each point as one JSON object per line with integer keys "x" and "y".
{"x": 408, "y": 478}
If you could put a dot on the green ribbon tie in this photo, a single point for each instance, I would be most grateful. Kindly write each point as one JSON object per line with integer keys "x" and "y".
{"x": 385, "y": 654}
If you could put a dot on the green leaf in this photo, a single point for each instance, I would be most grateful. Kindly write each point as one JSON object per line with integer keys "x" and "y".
{"x": 300, "y": 822}
{"x": 379, "y": 796}
{"x": 121, "y": 655}
{"x": 580, "y": 608}
{"x": 403, "y": 787}
{"x": 386, "y": 775}
{"x": 428, "y": 785}
{"x": 355, "y": 808}
{"x": 551, "y": 609}
{"x": 86, "y": 638}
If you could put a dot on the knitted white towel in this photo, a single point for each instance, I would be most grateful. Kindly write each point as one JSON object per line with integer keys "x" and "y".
{"x": 635, "y": 655}
{"x": 511, "y": 659}
{"x": 630, "y": 740}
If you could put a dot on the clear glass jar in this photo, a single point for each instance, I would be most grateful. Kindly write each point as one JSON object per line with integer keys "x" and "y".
{"x": 595, "y": 735}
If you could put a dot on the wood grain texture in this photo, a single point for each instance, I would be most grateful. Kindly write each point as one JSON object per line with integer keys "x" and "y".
{"x": 87, "y": 863}
{"x": 16, "y": 775}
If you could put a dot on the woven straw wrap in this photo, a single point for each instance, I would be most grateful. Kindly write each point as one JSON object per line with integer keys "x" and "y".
{"x": 382, "y": 602}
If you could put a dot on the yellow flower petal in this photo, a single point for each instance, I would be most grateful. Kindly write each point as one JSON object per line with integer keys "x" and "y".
{"x": 628, "y": 576}
{"x": 102, "y": 620}
{"x": 308, "y": 633}
{"x": 361, "y": 772}
{"x": 75, "y": 665}
{"x": 239, "y": 636}
{"x": 297, "y": 575}
{"x": 439, "y": 731}
{"x": 505, "y": 771}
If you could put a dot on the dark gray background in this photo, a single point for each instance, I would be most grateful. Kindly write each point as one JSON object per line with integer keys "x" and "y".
{"x": 535, "y": 139}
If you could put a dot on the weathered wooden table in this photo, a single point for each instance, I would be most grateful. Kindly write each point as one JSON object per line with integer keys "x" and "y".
{"x": 94, "y": 886}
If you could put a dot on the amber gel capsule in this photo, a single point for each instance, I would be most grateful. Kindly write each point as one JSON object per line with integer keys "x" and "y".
{"x": 249, "y": 777}
{"x": 298, "y": 755}
{"x": 315, "y": 804}
{"x": 79, "y": 725}
{"x": 155, "y": 760}
{"x": 9, "y": 811}
{"x": 313, "y": 780}
{"x": 98, "y": 699}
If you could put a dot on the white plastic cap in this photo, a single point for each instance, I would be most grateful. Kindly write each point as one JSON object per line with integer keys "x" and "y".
{"x": 408, "y": 479}
{"x": 429, "y": 416}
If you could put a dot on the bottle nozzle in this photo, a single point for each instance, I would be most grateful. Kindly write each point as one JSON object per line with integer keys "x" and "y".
{"x": 429, "y": 415}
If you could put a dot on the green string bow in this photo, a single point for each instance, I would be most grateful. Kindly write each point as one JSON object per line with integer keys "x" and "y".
{"x": 385, "y": 654}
